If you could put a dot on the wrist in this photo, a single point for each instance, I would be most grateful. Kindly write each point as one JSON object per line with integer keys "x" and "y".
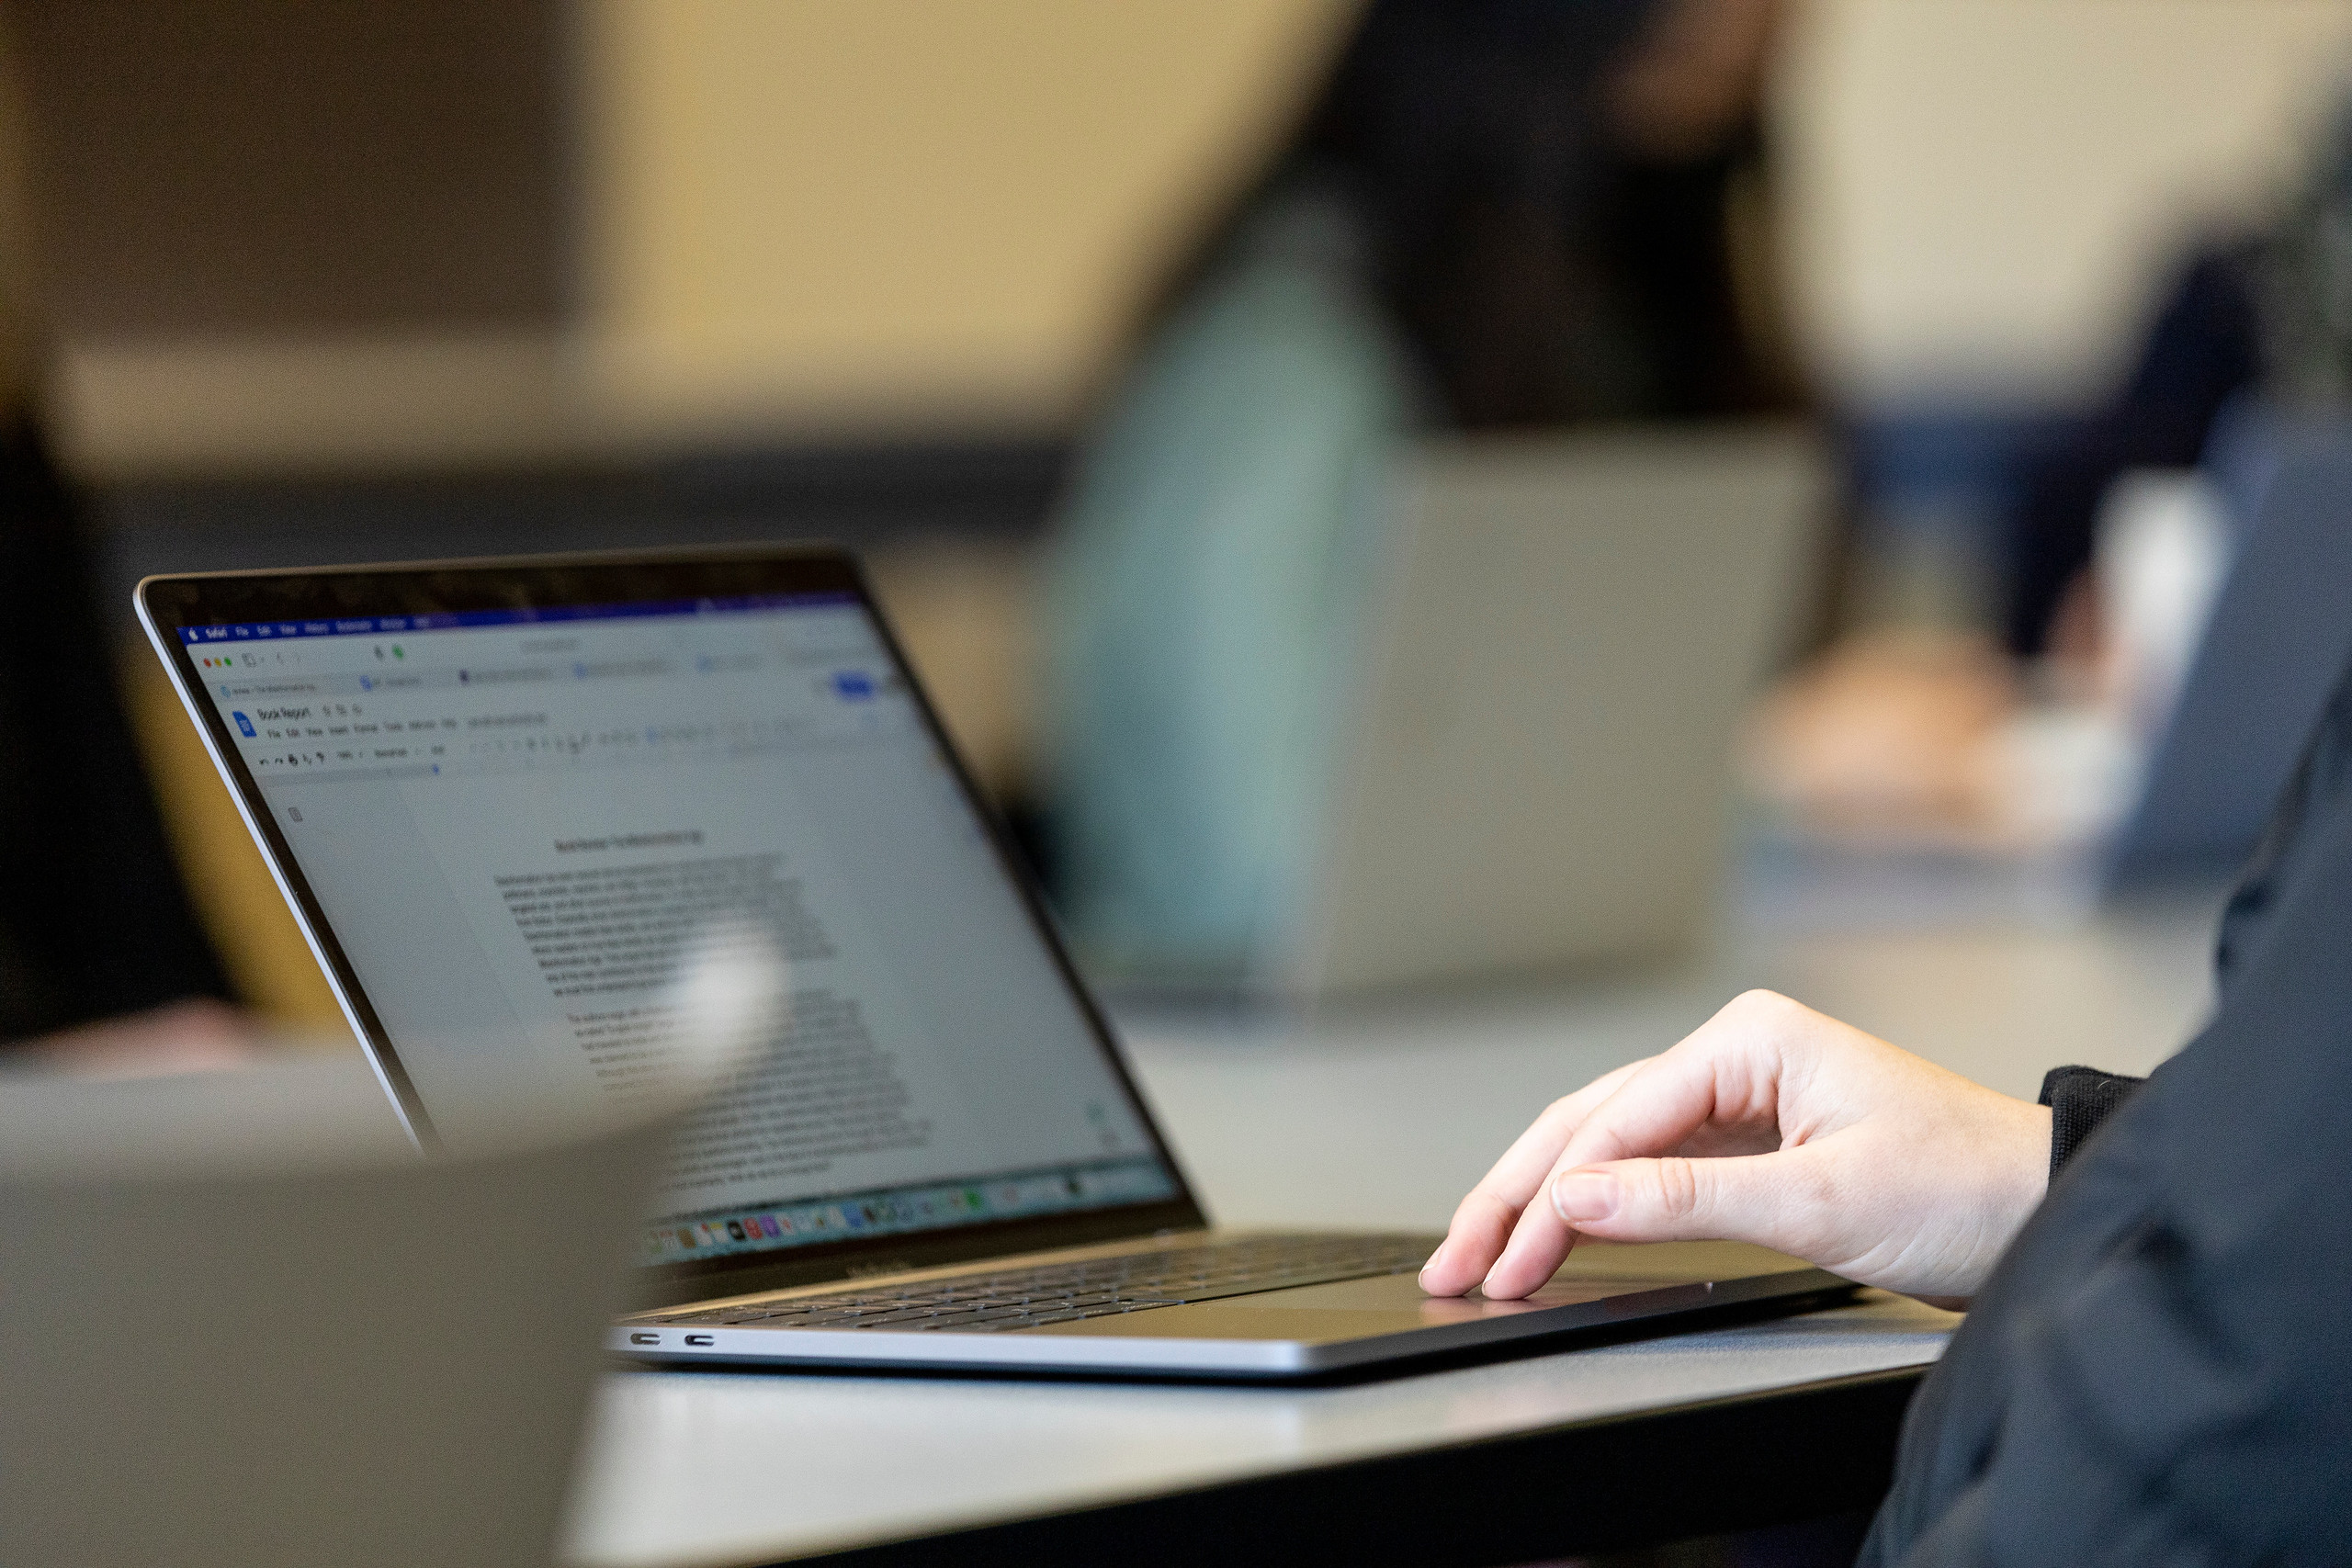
{"x": 2023, "y": 1181}
{"x": 2036, "y": 1180}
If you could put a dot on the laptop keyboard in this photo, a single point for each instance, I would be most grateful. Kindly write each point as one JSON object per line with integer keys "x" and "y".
{"x": 1094, "y": 1287}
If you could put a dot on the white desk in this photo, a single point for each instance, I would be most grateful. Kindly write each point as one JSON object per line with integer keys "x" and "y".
{"x": 731, "y": 1469}
{"x": 1369, "y": 1120}
{"x": 1386, "y": 1118}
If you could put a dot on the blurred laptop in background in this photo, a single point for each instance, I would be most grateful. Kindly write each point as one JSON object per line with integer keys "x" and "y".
{"x": 1529, "y": 764}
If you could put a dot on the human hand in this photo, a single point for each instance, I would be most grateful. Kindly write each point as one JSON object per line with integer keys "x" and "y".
{"x": 1772, "y": 1124}
{"x": 194, "y": 1036}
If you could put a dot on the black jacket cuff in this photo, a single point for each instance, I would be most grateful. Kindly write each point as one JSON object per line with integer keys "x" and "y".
{"x": 2079, "y": 1100}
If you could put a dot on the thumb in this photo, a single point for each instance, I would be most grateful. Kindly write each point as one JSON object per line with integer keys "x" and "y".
{"x": 1751, "y": 1198}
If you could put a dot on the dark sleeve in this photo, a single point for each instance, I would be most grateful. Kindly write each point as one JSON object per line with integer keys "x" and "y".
{"x": 2079, "y": 1100}
{"x": 2158, "y": 1371}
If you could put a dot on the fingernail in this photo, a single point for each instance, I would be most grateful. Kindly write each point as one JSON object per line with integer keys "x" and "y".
{"x": 1580, "y": 1195}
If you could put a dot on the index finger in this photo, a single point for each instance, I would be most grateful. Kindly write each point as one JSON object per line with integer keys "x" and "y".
{"x": 1483, "y": 1220}
{"x": 1651, "y": 1112}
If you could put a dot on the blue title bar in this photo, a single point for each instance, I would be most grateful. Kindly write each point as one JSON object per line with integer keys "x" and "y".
{"x": 455, "y": 620}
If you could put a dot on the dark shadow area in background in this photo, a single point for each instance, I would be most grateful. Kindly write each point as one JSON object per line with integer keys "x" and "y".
{"x": 1792, "y": 1464}
{"x": 865, "y": 497}
{"x": 93, "y": 920}
{"x": 1831, "y": 1542}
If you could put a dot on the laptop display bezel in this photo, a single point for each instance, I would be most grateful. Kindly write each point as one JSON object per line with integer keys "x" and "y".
{"x": 168, "y": 603}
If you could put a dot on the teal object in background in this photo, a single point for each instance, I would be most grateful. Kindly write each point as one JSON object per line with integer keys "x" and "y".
{"x": 1216, "y": 553}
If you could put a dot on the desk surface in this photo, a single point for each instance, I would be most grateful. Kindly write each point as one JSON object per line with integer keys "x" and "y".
{"x": 719, "y": 1468}
{"x": 1368, "y": 1118}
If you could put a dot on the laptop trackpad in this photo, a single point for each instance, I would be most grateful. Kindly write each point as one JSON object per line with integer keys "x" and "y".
{"x": 1354, "y": 1309}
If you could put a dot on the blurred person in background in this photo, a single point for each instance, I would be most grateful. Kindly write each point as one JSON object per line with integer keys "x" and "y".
{"x": 1902, "y": 736}
{"x": 1497, "y": 215}
{"x": 103, "y": 966}
{"x": 2268, "y": 313}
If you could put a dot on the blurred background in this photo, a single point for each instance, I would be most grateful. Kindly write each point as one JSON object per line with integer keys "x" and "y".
{"x": 302, "y": 283}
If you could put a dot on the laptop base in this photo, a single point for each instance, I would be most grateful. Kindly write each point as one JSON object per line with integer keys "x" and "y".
{"x": 1341, "y": 1328}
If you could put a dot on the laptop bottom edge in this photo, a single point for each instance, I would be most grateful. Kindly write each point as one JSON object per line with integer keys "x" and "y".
{"x": 1308, "y": 1334}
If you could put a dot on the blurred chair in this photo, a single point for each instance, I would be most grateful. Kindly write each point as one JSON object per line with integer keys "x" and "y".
{"x": 2280, "y": 633}
{"x": 244, "y": 1324}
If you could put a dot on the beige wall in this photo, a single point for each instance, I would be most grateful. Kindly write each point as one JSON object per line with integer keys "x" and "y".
{"x": 1980, "y": 192}
{"x": 802, "y": 217}
{"x": 815, "y": 214}
{"x": 834, "y": 215}
{"x": 793, "y": 218}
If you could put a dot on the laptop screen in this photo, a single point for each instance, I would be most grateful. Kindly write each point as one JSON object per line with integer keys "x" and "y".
{"x": 511, "y": 820}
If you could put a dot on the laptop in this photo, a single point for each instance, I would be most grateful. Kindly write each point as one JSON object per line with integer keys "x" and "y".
{"x": 1538, "y": 772}
{"x": 1532, "y": 772}
{"x": 503, "y": 797}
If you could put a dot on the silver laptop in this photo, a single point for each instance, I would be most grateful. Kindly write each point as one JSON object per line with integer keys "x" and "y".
{"x": 1534, "y": 766}
{"x": 502, "y": 795}
{"x": 1537, "y": 771}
